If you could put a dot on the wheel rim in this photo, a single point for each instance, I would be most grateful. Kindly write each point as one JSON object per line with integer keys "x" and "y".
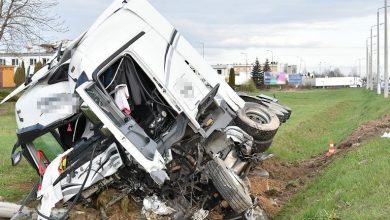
{"x": 258, "y": 117}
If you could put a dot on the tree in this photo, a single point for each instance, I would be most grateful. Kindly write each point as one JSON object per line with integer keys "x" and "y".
{"x": 266, "y": 67}
{"x": 257, "y": 74}
{"x": 20, "y": 76}
{"x": 334, "y": 73}
{"x": 38, "y": 66}
{"x": 23, "y": 67}
{"x": 22, "y": 21}
{"x": 232, "y": 78}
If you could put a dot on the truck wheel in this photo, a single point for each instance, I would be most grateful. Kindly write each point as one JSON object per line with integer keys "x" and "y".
{"x": 257, "y": 121}
{"x": 288, "y": 109}
{"x": 279, "y": 107}
{"x": 229, "y": 185}
{"x": 281, "y": 113}
{"x": 261, "y": 146}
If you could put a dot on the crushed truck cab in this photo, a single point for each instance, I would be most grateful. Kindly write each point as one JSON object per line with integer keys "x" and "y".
{"x": 134, "y": 107}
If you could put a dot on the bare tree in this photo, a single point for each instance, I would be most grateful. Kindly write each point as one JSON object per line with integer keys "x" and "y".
{"x": 23, "y": 21}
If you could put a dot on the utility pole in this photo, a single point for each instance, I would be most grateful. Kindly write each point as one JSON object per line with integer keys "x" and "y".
{"x": 320, "y": 68}
{"x": 378, "y": 78}
{"x": 246, "y": 64}
{"x": 386, "y": 75}
{"x": 367, "y": 65}
{"x": 272, "y": 53}
{"x": 202, "y": 48}
{"x": 371, "y": 79}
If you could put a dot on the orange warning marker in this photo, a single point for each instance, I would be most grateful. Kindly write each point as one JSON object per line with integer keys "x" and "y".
{"x": 331, "y": 150}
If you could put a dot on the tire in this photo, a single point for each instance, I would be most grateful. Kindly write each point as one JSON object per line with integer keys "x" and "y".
{"x": 261, "y": 146}
{"x": 277, "y": 104}
{"x": 258, "y": 121}
{"x": 281, "y": 115}
{"x": 278, "y": 107}
{"x": 229, "y": 185}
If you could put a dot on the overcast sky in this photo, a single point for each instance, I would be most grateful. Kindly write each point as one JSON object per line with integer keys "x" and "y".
{"x": 332, "y": 32}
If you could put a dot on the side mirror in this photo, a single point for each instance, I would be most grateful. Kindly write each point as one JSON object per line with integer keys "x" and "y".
{"x": 16, "y": 158}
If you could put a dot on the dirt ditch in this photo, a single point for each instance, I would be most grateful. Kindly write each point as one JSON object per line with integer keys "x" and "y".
{"x": 286, "y": 179}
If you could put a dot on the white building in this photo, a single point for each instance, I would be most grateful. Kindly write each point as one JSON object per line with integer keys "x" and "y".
{"x": 29, "y": 58}
{"x": 242, "y": 71}
{"x": 31, "y": 55}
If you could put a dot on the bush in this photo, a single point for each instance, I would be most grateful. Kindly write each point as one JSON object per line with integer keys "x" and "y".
{"x": 249, "y": 86}
{"x": 38, "y": 66}
{"x": 5, "y": 92}
{"x": 232, "y": 78}
{"x": 20, "y": 76}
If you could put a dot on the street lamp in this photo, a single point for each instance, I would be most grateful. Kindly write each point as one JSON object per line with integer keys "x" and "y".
{"x": 386, "y": 74}
{"x": 368, "y": 57}
{"x": 378, "y": 76}
{"x": 378, "y": 44}
{"x": 202, "y": 48}
{"x": 324, "y": 63}
{"x": 371, "y": 75}
{"x": 300, "y": 64}
{"x": 272, "y": 55}
{"x": 359, "y": 66}
{"x": 246, "y": 64}
{"x": 320, "y": 68}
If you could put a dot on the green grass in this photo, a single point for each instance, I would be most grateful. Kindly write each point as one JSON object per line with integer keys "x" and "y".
{"x": 348, "y": 188}
{"x": 323, "y": 115}
{"x": 15, "y": 181}
{"x": 355, "y": 186}
{"x": 11, "y": 177}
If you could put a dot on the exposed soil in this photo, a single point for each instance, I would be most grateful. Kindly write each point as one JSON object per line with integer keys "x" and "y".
{"x": 22, "y": 185}
{"x": 285, "y": 179}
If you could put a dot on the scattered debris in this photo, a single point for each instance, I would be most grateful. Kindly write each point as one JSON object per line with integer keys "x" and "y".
{"x": 386, "y": 135}
{"x": 11, "y": 211}
{"x": 153, "y": 204}
{"x": 289, "y": 178}
{"x": 200, "y": 214}
{"x": 331, "y": 150}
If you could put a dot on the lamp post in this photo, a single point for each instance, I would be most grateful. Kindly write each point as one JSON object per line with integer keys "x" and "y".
{"x": 367, "y": 65}
{"x": 202, "y": 48}
{"x": 300, "y": 64}
{"x": 371, "y": 66}
{"x": 320, "y": 68}
{"x": 378, "y": 80}
{"x": 272, "y": 55}
{"x": 386, "y": 75}
{"x": 324, "y": 64}
{"x": 246, "y": 64}
{"x": 359, "y": 66}
{"x": 371, "y": 80}
{"x": 370, "y": 74}
{"x": 378, "y": 52}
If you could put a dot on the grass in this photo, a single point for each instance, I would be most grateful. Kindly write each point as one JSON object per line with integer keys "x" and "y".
{"x": 323, "y": 115}
{"x": 13, "y": 179}
{"x": 355, "y": 186}
{"x": 15, "y": 182}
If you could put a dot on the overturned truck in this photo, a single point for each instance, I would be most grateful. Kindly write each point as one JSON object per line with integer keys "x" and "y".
{"x": 134, "y": 107}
